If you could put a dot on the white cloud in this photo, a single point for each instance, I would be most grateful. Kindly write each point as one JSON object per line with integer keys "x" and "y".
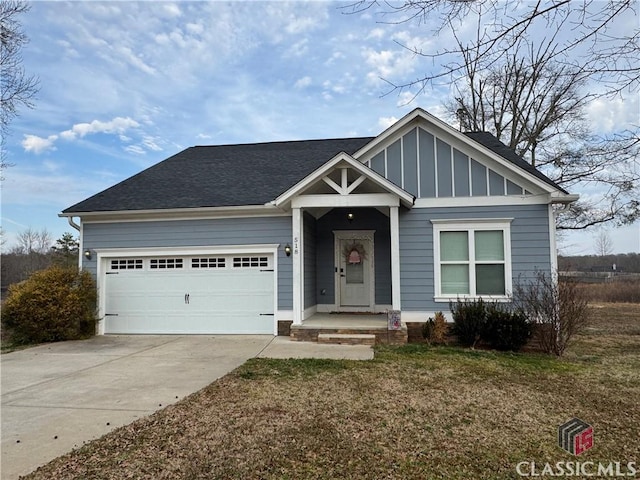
{"x": 118, "y": 125}
{"x": 386, "y": 122}
{"x": 608, "y": 115}
{"x": 37, "y": 145}
{"x": 302, "y": 82}
{"x": 137, "y": 149}
{"x": 376, "y": 33}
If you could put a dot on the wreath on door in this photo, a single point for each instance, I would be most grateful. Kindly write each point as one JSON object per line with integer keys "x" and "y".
{"x": 354, "y": 253}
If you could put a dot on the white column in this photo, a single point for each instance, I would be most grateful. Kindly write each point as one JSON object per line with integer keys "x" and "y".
{"x": 394, "y": 225}
{"x": 298, "y": 266}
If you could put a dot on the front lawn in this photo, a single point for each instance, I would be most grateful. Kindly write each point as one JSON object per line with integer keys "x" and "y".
{"x": 414, "y": 412}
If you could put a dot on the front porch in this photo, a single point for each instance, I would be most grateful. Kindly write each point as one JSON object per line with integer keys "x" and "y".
{"x": 348, "y": 328}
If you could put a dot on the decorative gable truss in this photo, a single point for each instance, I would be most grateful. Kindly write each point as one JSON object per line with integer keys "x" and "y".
{"x": 344, "y": 182}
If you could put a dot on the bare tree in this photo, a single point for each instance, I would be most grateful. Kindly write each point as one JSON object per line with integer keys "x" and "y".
{"x": 527, "y": 76}
{"x": 603, "y": 245}
{"x": 17, "y": 87}
{"x": 536, "y": 106}
{"x": 33, "y": 241}
{"x": 592, "y": 40}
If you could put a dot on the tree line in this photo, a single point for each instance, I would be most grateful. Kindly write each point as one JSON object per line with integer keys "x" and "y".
{"x": 36, "y": 250}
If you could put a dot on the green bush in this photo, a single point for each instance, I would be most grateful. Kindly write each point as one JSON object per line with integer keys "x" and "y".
{"x": 469, "y": 318}
{"x": 55, "y": 304}
{"x": 506, "y": 330}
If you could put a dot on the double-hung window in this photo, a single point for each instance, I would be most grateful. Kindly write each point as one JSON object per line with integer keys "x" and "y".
{"x": 472, "y": 258}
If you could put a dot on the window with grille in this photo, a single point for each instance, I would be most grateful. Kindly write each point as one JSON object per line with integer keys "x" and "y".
{"x": 208, "y": 262}
{"x": 165, "y": 263}
{"x": 472, "y": 259}
{"x": 250, "y": 262}
{"x": 126, "y": 264}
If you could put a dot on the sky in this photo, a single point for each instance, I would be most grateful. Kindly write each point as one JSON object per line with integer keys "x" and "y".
{"x": 124, "y": 85}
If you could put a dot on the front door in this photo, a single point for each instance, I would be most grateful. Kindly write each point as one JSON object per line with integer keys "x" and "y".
{"x": 356, "y": 260}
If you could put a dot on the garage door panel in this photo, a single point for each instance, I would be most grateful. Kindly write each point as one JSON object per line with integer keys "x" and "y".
{"x": 220, "y": 300}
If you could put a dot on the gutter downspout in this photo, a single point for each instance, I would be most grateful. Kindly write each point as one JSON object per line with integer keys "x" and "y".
{"x": 73, "y": 224}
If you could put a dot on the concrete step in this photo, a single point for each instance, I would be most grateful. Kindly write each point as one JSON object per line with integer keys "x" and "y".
{"x": 347, "y": 338}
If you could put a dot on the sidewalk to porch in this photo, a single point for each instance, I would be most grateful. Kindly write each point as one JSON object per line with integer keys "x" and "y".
{"x": 350, "y": 326}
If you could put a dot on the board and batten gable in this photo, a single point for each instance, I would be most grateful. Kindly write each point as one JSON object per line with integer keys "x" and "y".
{"x": 530, "y": 247}
{"x": 428, "y": 166}
{"x": 196, "y": 233}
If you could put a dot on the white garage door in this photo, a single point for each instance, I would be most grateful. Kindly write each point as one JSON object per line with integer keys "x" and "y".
{"x": 190, "y": 295}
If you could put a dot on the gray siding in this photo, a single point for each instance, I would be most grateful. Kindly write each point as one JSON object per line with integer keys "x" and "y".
{"x": 198, "y": 233}
{"x": 444, "y": 169}
{"x": 478, "y": 178}
{"x": 530, "y": 247}
{"x": 366, "y": 219}
{"x": 309, "y": 261}
{"x": 461, "y": 173}
{"x": 394, "y": 163}
{"x": 377, "y": 163}
{"x": 410, "y": 153}
{"x": 411, "y": 163}
{"x": 427, "y": 164}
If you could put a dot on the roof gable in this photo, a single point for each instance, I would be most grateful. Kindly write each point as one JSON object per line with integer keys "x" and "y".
{"x": 400, "y": 151}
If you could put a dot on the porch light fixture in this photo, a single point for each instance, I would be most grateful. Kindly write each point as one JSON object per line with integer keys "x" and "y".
{"x": 350, "y": 216}
{"x": 87, "y": 254}
{"x": 287, "y": 250}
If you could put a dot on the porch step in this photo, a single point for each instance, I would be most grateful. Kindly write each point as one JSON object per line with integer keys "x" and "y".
{"x": 347, "y": 338}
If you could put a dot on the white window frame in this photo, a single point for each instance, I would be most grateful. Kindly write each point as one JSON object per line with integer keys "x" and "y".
{"x": 471, "y": 226}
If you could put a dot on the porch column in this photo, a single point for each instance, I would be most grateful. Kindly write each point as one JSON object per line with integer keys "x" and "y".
{"x": 298, "y": 266}
{"x": 394, "y": 225}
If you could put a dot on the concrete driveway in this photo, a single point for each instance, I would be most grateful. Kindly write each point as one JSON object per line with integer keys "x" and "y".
{"x": 56, "y": 397}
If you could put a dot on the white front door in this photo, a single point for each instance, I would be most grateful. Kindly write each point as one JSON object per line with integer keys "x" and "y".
{"x": 356, "y": 273}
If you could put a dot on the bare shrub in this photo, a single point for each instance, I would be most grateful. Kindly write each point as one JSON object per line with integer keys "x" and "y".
{"x": 559, "y": 309}
{"x": 435, "y": 330}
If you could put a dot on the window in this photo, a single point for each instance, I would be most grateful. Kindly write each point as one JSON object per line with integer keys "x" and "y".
{"x": 126, "y": 264}
{"x": 248, "y": 262}
{"x": 472, "y": 258}
{"x": 213, "y": 262}
{"x": 165, "y": 263}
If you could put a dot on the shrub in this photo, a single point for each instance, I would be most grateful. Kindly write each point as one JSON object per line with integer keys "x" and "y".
{"x": 435, "y": 329}
{"x": 55, "y": 304}
{"x": 469, "y": 318}
{"x": 559, "y": 308}
{"x": 505, "y": 329}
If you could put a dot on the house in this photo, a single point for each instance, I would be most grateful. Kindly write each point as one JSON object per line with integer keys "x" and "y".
{"x": 247, "y": 238}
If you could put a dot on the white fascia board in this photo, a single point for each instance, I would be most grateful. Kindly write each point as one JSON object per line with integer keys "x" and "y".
{"x": 267, "y": 210}
{"x": 483, "y": 201}
{"x": 459, "y": 137}
{"x": 406, "y": 198}
{"x": 335, "y": 201}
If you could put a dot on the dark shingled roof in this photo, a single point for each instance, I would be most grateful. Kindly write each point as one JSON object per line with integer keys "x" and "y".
{"x": 217, "y": 176}
{"x": 492, "y": 143}
{"x": 234, "y": 175}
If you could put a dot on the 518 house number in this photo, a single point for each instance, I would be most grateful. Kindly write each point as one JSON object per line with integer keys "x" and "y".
{"x": 295, "y": 245}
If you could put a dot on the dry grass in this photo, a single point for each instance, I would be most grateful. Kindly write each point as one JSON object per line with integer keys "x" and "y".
{"x": 414, "y": 412}
{"x": 621, "y": 290}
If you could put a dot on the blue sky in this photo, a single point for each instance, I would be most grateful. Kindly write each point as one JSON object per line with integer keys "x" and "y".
{"x": 125, "y": 85}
